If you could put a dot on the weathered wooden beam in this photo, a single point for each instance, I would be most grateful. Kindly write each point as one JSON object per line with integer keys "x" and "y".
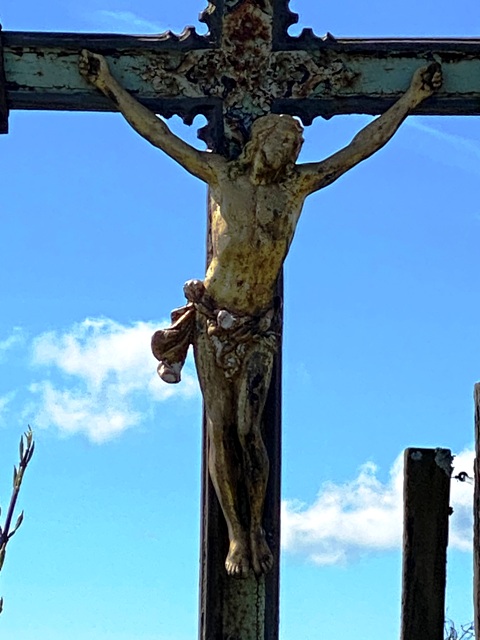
{"x": 42, "y": 73}
{"x": 3, "y": 92}
{"x": 42, "y": 69}
{"x": 427, "y": 474}
{"x": 476, "y": 517}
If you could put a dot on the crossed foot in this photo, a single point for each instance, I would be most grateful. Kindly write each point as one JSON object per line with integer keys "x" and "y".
{"x": 246, "y": 552}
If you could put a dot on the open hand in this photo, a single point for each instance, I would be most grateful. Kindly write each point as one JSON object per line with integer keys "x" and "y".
{"x": 426, "y": 81}
{"x": 94, "y": 68}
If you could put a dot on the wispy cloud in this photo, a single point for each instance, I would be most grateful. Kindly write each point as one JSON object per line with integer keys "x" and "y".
{"x": 99, "y": 379}
{"x": 463, "y": 152}
{"x": 14, "y": 339}
{"x": 4, "y": 402}
{"x": 465, "y": 144}
{"x": 127, "y": 21}
{"x": 365, "y": 515}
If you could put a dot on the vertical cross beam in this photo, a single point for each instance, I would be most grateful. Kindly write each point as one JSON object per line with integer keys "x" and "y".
{"x": 3, "y": 92}
{"x": 246, "y": 609}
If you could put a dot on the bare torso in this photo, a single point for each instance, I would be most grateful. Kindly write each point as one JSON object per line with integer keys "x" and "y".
{"x": 252, "y": 227}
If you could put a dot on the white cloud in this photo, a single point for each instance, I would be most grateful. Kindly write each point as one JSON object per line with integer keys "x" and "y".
{"x": 101, "y": 378}
{"x": 365, "y": 515}
{"x": 461, "y": 499}
{"x": 117, "y": 20}
{"x": 12, "y": 341}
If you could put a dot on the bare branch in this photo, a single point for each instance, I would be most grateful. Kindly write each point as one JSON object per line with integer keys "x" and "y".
{"x": 26, "y": 448}
{"x": 466, "y": 631}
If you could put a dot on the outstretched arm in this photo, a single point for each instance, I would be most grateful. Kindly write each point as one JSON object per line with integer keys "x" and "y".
{"x": 201, "y": 164}
{"x": 374, "y": 136}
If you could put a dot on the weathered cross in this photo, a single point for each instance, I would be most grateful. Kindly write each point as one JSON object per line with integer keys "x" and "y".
{"x": 247, "y": 66}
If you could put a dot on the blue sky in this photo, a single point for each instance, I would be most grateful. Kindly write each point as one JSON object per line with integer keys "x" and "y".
{"x": 99, "y": 233}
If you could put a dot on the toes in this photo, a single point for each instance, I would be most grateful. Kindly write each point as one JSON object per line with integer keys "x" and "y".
{"x": 262, "y": 558}
{"x": 236, "y": 570}
{"x": 267, "y": 564}
{"x": 262, "y": 566}
{"x": 237, "y": 565}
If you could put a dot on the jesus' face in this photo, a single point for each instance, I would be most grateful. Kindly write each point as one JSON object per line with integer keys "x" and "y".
{"x": 281, "y": 146}
{"x": 277, "y": 140}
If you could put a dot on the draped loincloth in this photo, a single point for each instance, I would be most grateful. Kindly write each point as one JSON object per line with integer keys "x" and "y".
{"x": 232, "y": 336}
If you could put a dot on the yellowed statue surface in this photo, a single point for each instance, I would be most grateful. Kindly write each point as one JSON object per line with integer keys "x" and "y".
{"x": 230, "y": 315}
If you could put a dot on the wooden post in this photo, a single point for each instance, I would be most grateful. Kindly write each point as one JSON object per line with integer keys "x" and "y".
{"x": 476, "y": 517}
{"x": 427, "y": 475}
{"x": 3, "y": 91}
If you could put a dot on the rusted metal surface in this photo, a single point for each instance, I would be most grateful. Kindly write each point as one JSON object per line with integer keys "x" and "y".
{"x": 3, "y": 92}
{"x": 248, "y": 73}
{"x": 427, "y": 474}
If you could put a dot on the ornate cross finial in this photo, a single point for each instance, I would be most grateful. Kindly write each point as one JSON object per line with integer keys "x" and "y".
{"x": 248, "y": 71}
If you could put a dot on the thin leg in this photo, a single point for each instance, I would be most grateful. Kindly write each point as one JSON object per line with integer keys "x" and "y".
{"x": 223, "y": 462}
{"x": 223, "y": 465}
{"x": 252, "y": 393}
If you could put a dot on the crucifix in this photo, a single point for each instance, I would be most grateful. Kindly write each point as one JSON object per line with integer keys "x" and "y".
{"x": 249, "y": 78}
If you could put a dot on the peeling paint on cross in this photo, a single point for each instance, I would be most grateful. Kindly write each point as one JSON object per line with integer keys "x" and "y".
{"x": 245, "y": 73}
{"x": 245, "y": 66}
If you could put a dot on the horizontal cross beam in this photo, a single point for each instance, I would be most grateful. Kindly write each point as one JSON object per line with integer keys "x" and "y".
{"x": 355, "y": 76}
{"x": 41, "y": 69}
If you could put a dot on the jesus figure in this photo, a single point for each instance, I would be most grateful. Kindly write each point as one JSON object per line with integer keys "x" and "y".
{"x": 230, "y": 315}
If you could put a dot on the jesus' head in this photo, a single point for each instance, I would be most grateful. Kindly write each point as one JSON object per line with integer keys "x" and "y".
{"x": 273, "y": 148}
